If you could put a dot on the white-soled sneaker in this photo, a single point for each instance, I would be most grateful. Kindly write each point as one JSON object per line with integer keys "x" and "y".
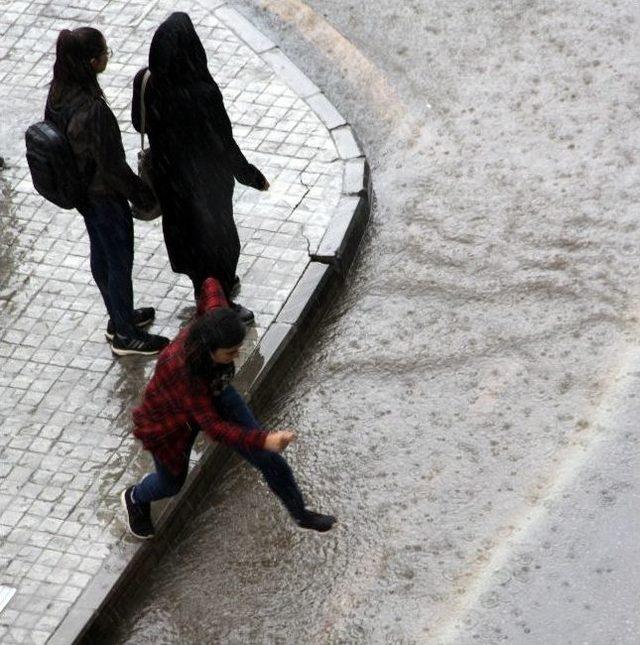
{"x": 142, "y": 343}
{"x": 141, "y": 318}
{"x": 138, "y": 516}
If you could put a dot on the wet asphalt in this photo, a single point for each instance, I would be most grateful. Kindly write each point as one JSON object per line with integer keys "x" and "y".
{"x": 467, "y": 407}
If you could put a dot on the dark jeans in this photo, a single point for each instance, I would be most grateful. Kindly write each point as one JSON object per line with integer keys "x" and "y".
{"x": 273, "y": 466}
{"x": 110, "y": 226}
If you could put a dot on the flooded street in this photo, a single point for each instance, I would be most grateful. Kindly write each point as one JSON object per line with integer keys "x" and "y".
{"x": 467, "y": 406}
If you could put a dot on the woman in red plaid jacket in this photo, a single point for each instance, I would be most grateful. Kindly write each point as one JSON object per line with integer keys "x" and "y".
{"x": 190, "y": 392}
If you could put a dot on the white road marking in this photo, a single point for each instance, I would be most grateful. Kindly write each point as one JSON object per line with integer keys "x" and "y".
{"x": 575, "y": 457}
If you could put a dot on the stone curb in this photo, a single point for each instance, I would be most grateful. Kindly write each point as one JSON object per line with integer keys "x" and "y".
{"x": 101, "y": 605}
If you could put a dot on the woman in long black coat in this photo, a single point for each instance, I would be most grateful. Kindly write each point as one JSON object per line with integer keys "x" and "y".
{"x": 195, "y": 159}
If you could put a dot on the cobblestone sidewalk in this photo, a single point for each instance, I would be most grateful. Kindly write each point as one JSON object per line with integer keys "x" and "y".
{"x": 65, "y": 444}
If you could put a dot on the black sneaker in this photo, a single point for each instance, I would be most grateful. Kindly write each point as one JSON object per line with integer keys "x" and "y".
{"x": 316, "y": 521}
{"x": 141, "y": 343}
{"x": 245, "y": 315}
{"x": 141, "y": 318}
{"x": 138, "y": 516}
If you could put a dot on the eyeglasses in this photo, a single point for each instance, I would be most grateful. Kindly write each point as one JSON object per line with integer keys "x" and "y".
{"x": 108, "y": 52}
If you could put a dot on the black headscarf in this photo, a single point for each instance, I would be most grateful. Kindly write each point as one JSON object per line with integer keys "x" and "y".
{"x": 177, "y": 57}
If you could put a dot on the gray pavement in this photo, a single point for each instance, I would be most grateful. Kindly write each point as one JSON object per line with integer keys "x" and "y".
{"x": 65, "y": 444}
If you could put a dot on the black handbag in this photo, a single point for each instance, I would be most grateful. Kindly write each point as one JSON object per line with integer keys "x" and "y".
{"x": 144, "y": 160}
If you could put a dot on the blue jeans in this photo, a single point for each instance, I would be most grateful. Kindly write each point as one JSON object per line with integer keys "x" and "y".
{"x": 273, "y": 466}
{"x": 110, "y": 227}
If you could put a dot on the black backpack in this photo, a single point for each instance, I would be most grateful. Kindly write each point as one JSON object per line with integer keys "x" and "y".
{"x": 53, "y": 167}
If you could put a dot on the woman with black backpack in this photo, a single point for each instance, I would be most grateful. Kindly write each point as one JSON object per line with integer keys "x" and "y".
{"x": 77, "y": 106}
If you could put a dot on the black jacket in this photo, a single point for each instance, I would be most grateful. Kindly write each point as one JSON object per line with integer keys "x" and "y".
{"x": 195, "y": 159}
{"x": 94, "y": 135}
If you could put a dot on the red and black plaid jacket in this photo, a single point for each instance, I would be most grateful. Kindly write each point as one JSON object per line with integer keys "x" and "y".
{"x": 172, "y": 402}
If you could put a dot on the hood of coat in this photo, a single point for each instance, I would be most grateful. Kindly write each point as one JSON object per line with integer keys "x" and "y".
{"x": 176, "y": 56}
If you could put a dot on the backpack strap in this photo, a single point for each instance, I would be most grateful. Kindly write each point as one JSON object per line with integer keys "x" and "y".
{"x": 143, "y": 112}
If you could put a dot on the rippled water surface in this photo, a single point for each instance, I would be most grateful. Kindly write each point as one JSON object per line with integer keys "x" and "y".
{"x": 461, "y": 374}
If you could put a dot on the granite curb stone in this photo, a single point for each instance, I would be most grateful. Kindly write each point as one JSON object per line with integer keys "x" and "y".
{"x": 245, "y": 30}
{"x": 346, "y": 143}
{"x": 321, "y": 105}
{"x": 336, "y": 236}
{"x": 305, "y": 294}
{"x": 290, "y": 73}
{"x": 354, "y": 177}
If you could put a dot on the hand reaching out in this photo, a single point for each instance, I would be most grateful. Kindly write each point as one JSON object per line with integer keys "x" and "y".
{"x": 278, "y": 441}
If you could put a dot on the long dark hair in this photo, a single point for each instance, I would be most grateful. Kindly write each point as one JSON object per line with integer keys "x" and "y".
{"x": 220, "y": 328}
{"x": 74, "y": 51}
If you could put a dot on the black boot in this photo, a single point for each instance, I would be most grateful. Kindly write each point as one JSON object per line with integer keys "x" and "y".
{"x": 245, "y": 315}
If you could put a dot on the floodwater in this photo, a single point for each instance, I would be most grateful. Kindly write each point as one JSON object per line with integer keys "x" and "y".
{"x": 467, "y": 407}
